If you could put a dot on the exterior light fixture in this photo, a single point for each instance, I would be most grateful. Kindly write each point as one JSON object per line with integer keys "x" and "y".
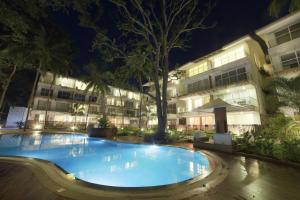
{"x": 70, "y": 176}
{"x": 37, "y": 126}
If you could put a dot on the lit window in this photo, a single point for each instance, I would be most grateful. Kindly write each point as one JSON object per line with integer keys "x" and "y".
{"x": 202, "y": 67}
{"x": 229, "y": 56}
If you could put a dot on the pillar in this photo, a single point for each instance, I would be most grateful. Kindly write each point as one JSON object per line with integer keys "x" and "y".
{"x": 221, "y": 120}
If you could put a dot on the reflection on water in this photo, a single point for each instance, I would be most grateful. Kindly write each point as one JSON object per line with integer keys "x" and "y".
{"x": 106, "y": 162}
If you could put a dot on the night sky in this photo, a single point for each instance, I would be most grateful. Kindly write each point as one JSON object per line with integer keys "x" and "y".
{"x": 235, "y": 18}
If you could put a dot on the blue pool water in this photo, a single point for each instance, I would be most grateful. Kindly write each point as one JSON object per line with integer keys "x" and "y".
{"x": 109, "y": 163}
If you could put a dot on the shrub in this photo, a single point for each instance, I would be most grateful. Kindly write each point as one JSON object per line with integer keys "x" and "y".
{"x": 103, "y": 123}
{"x": 279, "y": 139}
{"x": 130, "y": 130}
{"x": 174, "y": 135}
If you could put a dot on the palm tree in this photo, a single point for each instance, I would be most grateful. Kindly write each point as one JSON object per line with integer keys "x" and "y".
{"x": 137, "y": 69}
{"x": 288, "y": 91}
{"x": 77, "y": 109}
{"x": 276, "y": 6}
{"x": 50, "y": 49}
{"x": 14, "y": 55}
{"x": 97, "y": 80}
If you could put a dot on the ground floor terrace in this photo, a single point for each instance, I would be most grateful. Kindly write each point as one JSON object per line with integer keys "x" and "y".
{"x": 238, "y": 122}
{"x": 247, "y": 179}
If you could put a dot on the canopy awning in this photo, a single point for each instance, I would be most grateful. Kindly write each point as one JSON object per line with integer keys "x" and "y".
{"x": 219, "y": 103}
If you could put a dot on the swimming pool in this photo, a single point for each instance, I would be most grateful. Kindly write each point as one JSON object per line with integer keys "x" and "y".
{"x": 107, "y": 162}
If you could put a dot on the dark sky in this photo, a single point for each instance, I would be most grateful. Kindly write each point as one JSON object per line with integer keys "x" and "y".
{"x": 235, "y": 18}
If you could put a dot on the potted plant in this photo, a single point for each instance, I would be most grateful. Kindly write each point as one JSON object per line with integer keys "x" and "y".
{"x": 104, "y": 129}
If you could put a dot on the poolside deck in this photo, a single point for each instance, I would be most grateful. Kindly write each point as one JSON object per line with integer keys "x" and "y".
{"x": 247, "y": 179}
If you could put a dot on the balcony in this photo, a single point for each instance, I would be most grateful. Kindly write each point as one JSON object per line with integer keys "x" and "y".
{"x": 248, "y": 102}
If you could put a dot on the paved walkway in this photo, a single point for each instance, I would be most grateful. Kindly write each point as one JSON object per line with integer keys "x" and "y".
{"x": 248, "y": 179}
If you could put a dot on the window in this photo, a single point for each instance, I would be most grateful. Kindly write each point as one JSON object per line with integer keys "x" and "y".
{"x": 45, "y": 92}
{"x": 172, "y": 109}
{"x": 42, "y": 105}
{"x": 182, "y": 121}
{"x": 291, "y": 60}
{"x": 79, "y": 97}
{"x": 202, "y": 67}
{"x": 63, "y": 107}
{"x": 229, "y": 56}
{"x": 93, "y": 109}
{"x": 64, "y": 95}
{"x": 282, "y": 36}
{"x": 198, "y": 86}
{"x": 130, "y": 113}
{"x": 92, "y": 98}
{"x": 231, "y": 77}
{"x": 129, "y": 104}
{"x": 295, "y": 31}
{"x": 287, "y": 34}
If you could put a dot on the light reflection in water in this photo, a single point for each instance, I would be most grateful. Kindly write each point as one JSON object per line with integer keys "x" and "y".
{"x": 109, "y": 163}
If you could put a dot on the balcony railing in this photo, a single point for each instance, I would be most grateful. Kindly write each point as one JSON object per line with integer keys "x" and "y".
{"x": 246, "y": 102}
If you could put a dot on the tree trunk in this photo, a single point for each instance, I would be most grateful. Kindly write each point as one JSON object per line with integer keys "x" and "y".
{"x": 122, "y": 108}
{"x": 103, "y": 105}
{"x": 88, "y": 110}
{"x": 141, "y": 100}
{"x": 29, "y": 104}
{"x": 6, "y": 85}
{"x": 164, "y": 104}
{"x": 48, "y": 100}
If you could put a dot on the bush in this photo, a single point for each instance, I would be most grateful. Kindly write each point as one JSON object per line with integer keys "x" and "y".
{"x": 103, "y": 123}
{"x": 129, "y": 131}
{"x": 174, "y": 135}
{"x": 277, "y": 139}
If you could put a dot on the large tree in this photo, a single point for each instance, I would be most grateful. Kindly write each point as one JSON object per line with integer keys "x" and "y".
{"x": 277, "y": 6}
{"x": 97, "y": 80}
{"x": 51, "y": 49}
{"x": 156, "y": 28}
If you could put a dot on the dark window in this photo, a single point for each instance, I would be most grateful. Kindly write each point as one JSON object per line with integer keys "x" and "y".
{"x": 64, "y": 95}
{"x": 282, "y": 36}
{"x": 92, "y": 98}
{"x": 42, "y": 105}
{"x": 295, "y": 30}
{"x": 290, "y": 60}
{"x": 198, "y": 86}
{"x": 93, "y": 109}
{"x": 288, "y": 34}
{"x": 130, "y": 113}
{"x": 45, "y": 92}
{"x": 129, "y": 104}
{"x": 79, "y": 97}
{"x": 182, "y": 121}
{"x": 63, "y": 107}
{"x": 231, "y": 77}
{"x": 172, "y": 109}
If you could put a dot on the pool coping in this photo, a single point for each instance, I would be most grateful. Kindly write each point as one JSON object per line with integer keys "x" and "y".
{"x": 63, "y": 178}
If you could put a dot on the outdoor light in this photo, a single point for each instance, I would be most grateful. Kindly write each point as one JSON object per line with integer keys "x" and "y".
{"x": 37, "y": 126}
{"x": 70, "y": 176}
{"x": 36, "y": 133}
{"x": 142, "y": 129}
{"x": 73, "y": 127}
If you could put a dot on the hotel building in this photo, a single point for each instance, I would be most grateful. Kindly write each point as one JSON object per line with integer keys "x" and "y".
{"x": 70, "y": 105}
{"x": 236, "y": 74}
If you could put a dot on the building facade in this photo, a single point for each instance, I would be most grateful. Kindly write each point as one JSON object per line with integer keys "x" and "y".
{"x": 236, "y": 74}
{"x": 68, "y": 104}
